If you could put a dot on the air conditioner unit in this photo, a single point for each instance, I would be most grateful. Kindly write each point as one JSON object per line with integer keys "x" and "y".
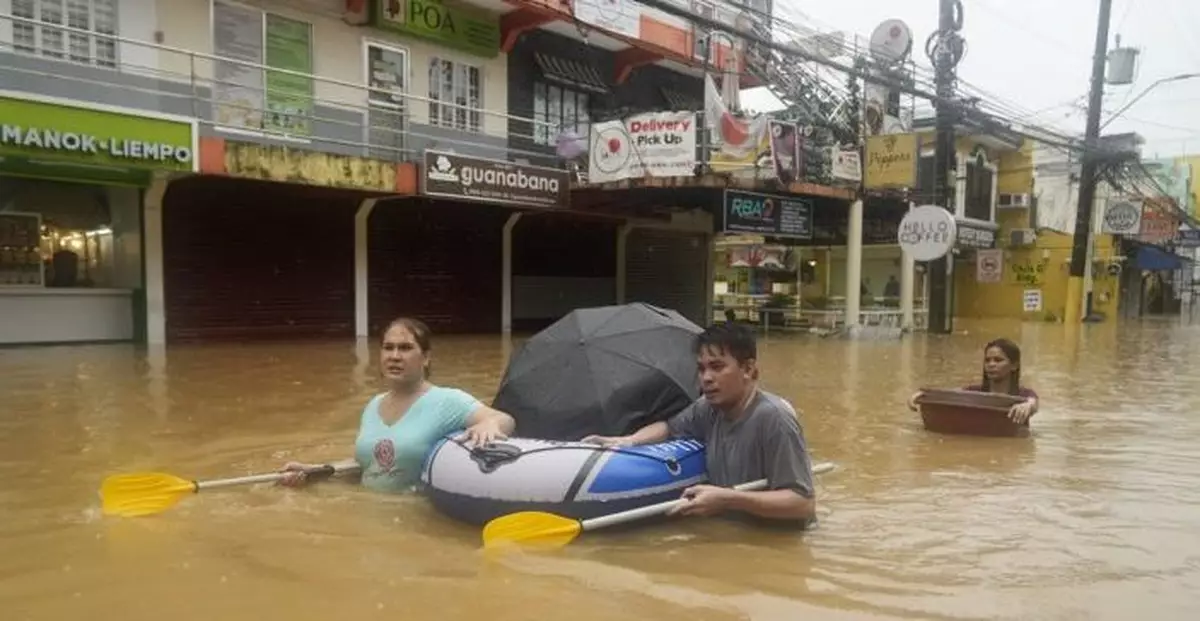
{"x": 1022, "y": 237}
{"x": 1013, "y": 201}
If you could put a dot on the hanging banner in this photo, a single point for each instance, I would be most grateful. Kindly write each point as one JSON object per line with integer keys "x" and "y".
{"x": 785, "y": 151}
{"x": 736, "y": 143}
{"x": 658, "y": 144}
{"x": 989, "y": 266}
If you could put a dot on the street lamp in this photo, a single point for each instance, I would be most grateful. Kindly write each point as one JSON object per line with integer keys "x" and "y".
{"x": 1174, "y": 78}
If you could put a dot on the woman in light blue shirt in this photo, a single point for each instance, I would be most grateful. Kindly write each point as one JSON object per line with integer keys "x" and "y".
{"x": 400, "y": 426}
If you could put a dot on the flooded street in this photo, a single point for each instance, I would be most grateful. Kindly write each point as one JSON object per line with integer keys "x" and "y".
{"x": 1097, "y": 516}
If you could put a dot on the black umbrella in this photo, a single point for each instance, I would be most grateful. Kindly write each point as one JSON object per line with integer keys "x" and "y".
{"x": 607, "y": 370}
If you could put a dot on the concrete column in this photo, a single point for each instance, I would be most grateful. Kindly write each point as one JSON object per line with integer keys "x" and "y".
{"x": 828, "y": 273}
{"x": 506, "y": 274}
{"x": 362, "y": 282}
{"x": 710, "y": 274}
{"x": 622, "y": 243}
{"x": 854, "y": 252}
{"x": 799, "y": 250}
{"x": 155, "y": 283}
{"x": 907, "y": 273}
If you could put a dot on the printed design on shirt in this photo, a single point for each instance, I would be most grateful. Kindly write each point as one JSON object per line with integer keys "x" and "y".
{"x": 385, "y": 454}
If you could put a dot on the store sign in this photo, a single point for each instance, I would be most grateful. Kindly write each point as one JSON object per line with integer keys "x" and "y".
{"x": 989, "y": 266}
{"x": 1123, "y": 217}
{"x": 278, "y": 163}
{"x": 473, "y": 31}
{"x": 975, "y": 235}
{"x": 1031, "y": 300}
{"x": 1188, "y": 238}
{"x": 927, "y": 232}
{"x": 56, "y": 133}
{"x": 768, "y": 214}
{"x": 891, "y": 161}
{"x": 1159, "y": 224}
{"x": 658, "y": 144}
{"x": 495, "y": 181}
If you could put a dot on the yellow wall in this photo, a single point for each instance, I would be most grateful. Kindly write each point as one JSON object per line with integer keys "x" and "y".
{"x": 1015, "y": 171}
{"x": 1044, "y": 266}
{"x": 1194, "y": 161}
{"x": 965, "y": 145}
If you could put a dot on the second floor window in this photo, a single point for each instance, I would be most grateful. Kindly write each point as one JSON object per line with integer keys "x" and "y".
{"x": 978, "y": 203}
{"x": 459, "y": 85}
{"x": 47, "y": 37}
{"x": 557, "y": 109}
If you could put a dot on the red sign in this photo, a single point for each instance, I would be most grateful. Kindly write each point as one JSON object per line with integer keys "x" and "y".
{"x": 1159, "y": 222}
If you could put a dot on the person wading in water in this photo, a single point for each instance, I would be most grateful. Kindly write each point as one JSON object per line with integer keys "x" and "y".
{"x": 1001, "y": 374}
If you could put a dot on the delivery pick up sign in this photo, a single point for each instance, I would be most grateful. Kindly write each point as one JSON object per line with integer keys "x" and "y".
{"x": 928, "y": 232}
{"x": 659, "y": 144}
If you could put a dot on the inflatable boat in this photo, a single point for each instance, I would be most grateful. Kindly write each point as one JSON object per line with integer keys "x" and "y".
{"x": 572, "y": 479}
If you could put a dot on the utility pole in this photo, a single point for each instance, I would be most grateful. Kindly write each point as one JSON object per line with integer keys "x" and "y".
{"x": 945, "y": 53}
{"x": 1089, "y": 167}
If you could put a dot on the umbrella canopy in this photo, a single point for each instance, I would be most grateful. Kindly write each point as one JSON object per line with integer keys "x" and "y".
{"x": 607, "y": 370}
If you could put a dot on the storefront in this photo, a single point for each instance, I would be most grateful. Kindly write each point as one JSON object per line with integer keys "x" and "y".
{"x": 272, "y": 242}
{"x": 72, "y": 179}
{"x": 497, "y": 248}
{"x": 791, "y": 251}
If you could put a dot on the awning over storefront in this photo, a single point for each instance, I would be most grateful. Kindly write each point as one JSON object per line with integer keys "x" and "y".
{"x": 570, "y": 73}
{"x": 1155, "y": 259}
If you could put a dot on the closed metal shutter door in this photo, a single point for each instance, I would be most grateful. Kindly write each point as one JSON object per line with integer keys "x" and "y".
{"x": 245, "y": 260}
{"x": 438, "y": 262}
{"x": 668, "y": 269}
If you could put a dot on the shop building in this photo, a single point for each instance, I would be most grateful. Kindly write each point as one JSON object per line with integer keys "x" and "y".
{"x": 319, "y": 128}
{"x": 72, "y": 181}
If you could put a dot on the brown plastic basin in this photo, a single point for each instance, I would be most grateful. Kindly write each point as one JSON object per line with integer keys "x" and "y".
{"x": 966, "y": 412}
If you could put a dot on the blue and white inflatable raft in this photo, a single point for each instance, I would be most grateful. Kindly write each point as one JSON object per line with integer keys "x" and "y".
{"x": 571, "y": 479}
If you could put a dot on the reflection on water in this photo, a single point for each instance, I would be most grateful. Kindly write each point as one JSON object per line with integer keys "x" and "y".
{"x": 1092, "y": 517}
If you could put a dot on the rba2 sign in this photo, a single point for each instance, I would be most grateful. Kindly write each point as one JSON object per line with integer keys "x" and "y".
{"x": 495, "y": 181}
{"x": 752, "y": 208}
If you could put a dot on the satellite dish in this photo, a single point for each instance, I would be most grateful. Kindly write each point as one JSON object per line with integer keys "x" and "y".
{"x": 891, "y": 42}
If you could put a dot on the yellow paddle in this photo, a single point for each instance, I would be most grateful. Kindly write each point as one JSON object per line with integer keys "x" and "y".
{"x": 147, "y": 493}
{"x": 547, "y": 530}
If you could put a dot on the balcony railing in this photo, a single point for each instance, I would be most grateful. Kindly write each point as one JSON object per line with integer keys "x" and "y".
{"x": 341, "y": 116}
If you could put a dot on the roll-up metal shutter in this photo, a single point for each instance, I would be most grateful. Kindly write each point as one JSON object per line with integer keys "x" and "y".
{"x": 437, "y": 261}
{"x": 254, "y": 260}
{"x": 668, "y": 269}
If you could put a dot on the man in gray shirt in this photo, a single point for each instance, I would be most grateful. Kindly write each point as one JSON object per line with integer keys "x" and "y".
{"x": 749, "y": 433}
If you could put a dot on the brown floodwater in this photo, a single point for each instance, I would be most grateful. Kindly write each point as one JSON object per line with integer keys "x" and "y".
{"x": 1096, "y": 516}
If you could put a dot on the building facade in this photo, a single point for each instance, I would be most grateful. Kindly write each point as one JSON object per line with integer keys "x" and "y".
{"x": 199, "y": 169}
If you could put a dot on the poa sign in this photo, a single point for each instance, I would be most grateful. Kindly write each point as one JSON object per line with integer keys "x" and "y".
{"x": 928, "y": 233}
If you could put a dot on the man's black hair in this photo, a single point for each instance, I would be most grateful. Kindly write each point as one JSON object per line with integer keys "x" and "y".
{"x": 735, "y": 339}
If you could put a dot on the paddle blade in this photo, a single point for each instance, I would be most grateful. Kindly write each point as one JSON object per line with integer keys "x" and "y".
{"x": 132, "y": 495}
{"x": 531, "y": 529}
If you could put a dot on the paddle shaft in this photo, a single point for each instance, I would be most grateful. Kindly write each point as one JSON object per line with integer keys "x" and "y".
{"x": 324, "y": 470}
{"x": 663, "y": 507}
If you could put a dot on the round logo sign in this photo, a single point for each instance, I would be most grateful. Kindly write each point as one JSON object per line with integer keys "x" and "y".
{"x": 611, "y": 150}
{"x": 928, "y": 232}
{"x": 1122, "y": 217}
